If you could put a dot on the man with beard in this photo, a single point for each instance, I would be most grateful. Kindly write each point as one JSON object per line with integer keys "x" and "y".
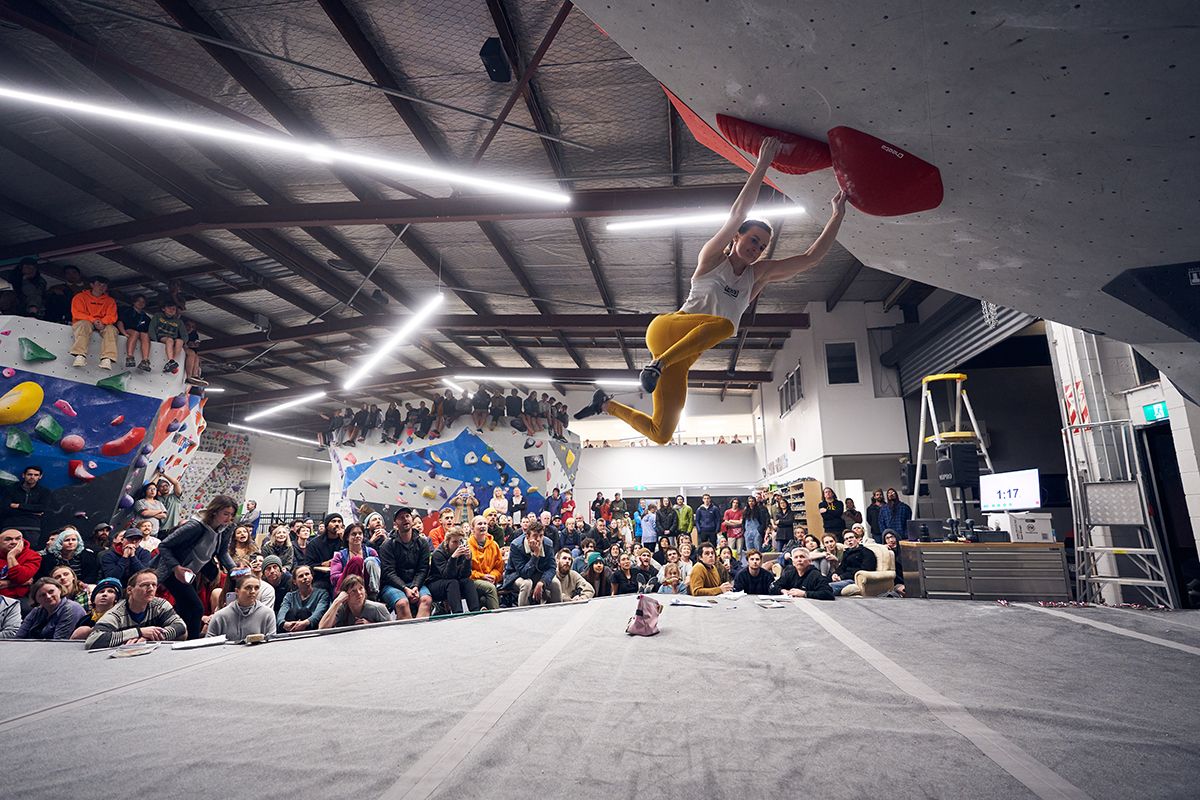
{"x": 894, "y": 514}
{"x": 532, "y": 568}
{"x": 321, "y": 549}
{"x": 572, "y": 586}
{"x": 855, "y": 557}
{"x": 405, "y": 568}
{"x": 24, "y": 504}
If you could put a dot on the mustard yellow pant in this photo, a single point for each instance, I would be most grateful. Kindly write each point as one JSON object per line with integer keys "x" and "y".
{"x": 676, "y": 341}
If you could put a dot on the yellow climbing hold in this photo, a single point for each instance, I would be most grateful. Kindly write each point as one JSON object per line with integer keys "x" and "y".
{"x": 429, "y": 493}
{"x": 570, "y": 458}
{"x": 20, "y": 403}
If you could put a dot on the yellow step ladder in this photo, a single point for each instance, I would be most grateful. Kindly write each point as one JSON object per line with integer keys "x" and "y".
{"x": 959, "y": 435}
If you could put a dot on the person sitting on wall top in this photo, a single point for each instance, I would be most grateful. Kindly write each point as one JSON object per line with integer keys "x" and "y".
{"x": 134, "y": 324}
{"x": 167, "y": 327}
{"x": 94, "y": 311}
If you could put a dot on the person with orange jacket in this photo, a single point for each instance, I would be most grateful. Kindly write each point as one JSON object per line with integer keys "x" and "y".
{"x": 487, "y": 564}
{"x": 94, "y": 311}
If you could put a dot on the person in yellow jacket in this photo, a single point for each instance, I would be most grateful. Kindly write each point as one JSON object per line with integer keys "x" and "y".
{"x": 487, "y": 565}
{"x": 709, "y": 577}
{"x": 94, "y": 311}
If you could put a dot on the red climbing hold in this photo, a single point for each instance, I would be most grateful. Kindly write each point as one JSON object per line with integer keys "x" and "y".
{"x": 880, "y": 178}
{"x": 707, "y": 136}
{"x": 798, "y": 155}
{"x": 77, "y": 471}
{"x": 123, "y": 444}
{"x": 117, "y": 420}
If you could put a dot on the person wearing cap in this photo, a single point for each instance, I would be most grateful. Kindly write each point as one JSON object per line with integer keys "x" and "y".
{"x": 321, "y": 549}
{"x": 405, "y": 558}
{"x": 94, "y": 311}
{"x": 105, "y": 595}
{"x": 101, "y": 534}
{"x": 141, "y": 617}
{"x": 125, "y": 557}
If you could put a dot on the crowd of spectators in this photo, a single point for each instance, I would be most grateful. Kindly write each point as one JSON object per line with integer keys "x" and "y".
{"x": 531, "y": 414}
{"x": 222, "y": 574}
{"x": 678, "y": 441}
{"x": 91, "y": 311}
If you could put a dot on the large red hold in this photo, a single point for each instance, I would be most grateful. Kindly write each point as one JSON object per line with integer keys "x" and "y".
{"x": 123, "y": 444}
{"x": 882, "y": 179}
{"x": 707, "y": 136}
{"x": 798, "y": 155}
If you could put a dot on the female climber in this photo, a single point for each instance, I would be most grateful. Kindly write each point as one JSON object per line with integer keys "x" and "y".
{"x": 730, "y": 274}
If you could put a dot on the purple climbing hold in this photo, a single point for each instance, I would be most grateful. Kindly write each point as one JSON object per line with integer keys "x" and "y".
{"x": 140, "y": 462}
{"x": 126, "y": 501}
{"x": 147, "y": 449}
{"x": 179, "y": 400}
{"x": 172, "y": 427}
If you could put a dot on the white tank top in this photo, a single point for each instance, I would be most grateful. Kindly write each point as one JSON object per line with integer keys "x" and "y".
{"x": 721, "y": 293}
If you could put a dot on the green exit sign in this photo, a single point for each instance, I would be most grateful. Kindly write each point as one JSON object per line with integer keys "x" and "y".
{"x": 1155, "y": 411}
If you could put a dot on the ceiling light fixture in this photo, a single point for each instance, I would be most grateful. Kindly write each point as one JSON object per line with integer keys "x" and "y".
{"x": 276, "y": 435}
{"x": 480, "y": 377}
{"x": 705, "y": 218}
{"x": 318, "y": 460}
{"x": 310, "y": 150}
{"x": 453, "y": 385}
{"x": 410, "y": 324}
{"x": 266, "y": 412}
{"x": 208, "y": 389}
{"x": 617, "y": 382}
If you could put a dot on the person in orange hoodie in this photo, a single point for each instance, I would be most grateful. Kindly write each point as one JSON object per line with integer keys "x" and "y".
{"x": 94, "y": 311}
{"x": 487, "y": 565}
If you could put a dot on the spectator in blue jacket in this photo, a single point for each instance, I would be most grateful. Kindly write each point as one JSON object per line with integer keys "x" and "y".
{"x": 53, "y": 616}
{"x": 895, "y": 514}
{"x": 302, "y": 608}
{"x": 532, "y": 568}
{"x": 554, "y": 503}
{"x": 708, "y": 521}
{"x": 126, "y": 557}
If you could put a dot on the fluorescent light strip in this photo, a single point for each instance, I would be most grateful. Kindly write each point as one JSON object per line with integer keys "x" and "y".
{"x": 619, "y": 382}
{"x": 504, "y": 378}
{"x": 214, "y": 389}
{"x": 273, "y": 433}
{"x": 453, "y": 385}
{"x": 308, "y": 398}
{"x": 706, "y": 218}
{"x": 410, "y": 324}
{"x": 314, "y": 151}
{"x": 318, "y": 460}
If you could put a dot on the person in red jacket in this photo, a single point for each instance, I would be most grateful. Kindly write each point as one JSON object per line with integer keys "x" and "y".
{"x": 18, "y": 564}
{"x": 94, "y": 311}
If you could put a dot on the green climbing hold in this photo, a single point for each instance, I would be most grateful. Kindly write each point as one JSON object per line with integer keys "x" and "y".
{"x": 49, "y": 429}
{"x": 8, "y": 479}
{"x": 116, "y": 383}
{"x": 18, "y": 441}
{"x": 32, "y": 351}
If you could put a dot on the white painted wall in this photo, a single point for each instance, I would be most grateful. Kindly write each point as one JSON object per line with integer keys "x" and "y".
{"x": 693, "y": 468}
{"x": 274, "y": 462}
{"x": 829, "y": 420}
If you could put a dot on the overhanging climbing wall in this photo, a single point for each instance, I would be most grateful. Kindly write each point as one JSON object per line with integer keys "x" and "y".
{"x": 425, "y": 474}
{"x": 86, "y": 428}
{"x": 1066, "y": 135}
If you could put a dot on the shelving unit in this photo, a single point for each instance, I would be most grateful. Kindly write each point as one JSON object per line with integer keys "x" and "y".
{"x": 804, "y": 496}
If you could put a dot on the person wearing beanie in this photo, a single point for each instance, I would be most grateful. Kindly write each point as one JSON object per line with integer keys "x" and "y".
{"x": 598, "y": 575}
{"x": 321, "y": 549}
{"x": 275, "y": 579}
{"x": 105, "y": 596}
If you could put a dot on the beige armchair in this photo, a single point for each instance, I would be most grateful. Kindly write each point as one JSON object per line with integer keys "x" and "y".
{"x": 877, "y": 581}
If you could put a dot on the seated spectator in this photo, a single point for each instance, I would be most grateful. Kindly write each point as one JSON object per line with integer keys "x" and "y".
{"x": 140, "y": 617}
{"x": 829, "y": 556}
{"x": 66, "y": 548}
{"x": 802, "y": 579}
{"x": 530, "y": 415}
{"x": 571, "y": 585}
{"x": 445, "y": 521}
{"x": 320, "y": 550}
{"x": 495, "y": 411}
{"x": 94, "y": 311}
{"x": 356, "y": 559}
{"x": 598, "y": 575}
{"x": 167, "y": 327}
{"x": 450, "y": 573}
{"x": 105, "y": 595}
{"x": 646, "y": 572}
{"x": 134, "y": 324}
{"x": 670, "y": 580}
{"x": 891, "y": 542}
{"x": 10, "y": 617}
{"x": 72, "y": 588}
{"x": 685, "y": 560}
{"x": 279, "y": 544}
{"x": 149, "y": 542}
{"x": 480, "y": 403}
{"x": 244, "y": 617}
{"x": 30, "y": 289}
{"x": 586, "y": 548}
{"x": 725, "y": 557}
{"x": 405, "y": 566}
{"x": 709, "y": 578}
{"x": 487, "y": 566}
{"x": 272, "y": 578}
{"x": 613, "y": 559}
{"x": 303, "y": 607}
{"x": 126, "y": 556}
{"x": 624, "y": 579}
{"x": 20, "y": 563}
{"x": 753, "y": 579}
{"x": 53, "y": 616}
{"x": 300, "y": 547}
{"x": 569, "y": 536}
{"x": 855, "y": 557}
{"x": 242, "y": 546}
{"x": 531, "y": 568}
{"x": 351, "y": 607}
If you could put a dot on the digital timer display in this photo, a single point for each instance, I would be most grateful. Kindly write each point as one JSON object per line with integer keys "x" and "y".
{"x": 1010, "y": 491}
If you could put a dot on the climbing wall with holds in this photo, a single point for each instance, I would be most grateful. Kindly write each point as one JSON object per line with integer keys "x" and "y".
{"x": 89, "y": 430}
{"x": 229, "y": 473}
{"x": 426, "y": 474}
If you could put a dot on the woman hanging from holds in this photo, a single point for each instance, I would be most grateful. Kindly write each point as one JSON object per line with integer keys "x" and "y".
{"x": 730, "y": 274}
